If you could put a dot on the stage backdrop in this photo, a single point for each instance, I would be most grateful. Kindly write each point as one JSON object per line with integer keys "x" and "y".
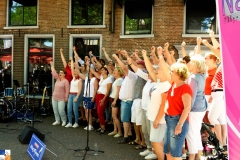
{"x": 229, "y": 20}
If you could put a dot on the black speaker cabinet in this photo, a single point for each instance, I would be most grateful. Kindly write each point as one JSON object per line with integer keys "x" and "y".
{"x": 26, "y": 135}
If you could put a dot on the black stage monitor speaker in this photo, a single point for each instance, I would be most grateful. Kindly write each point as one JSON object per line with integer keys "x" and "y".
{"x": 26, "y": 135}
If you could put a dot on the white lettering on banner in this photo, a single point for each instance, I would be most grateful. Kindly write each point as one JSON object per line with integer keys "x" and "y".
{"x": 231, "y": 10}
{"x": 34, "y": 150}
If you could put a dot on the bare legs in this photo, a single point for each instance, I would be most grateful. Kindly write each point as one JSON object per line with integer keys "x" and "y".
{"x": 116, "y": 121}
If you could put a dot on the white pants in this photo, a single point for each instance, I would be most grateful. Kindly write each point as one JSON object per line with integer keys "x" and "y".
{"x": 194, "y": 140}
{"x": 217, "y": 114}
{"x": 136, "y": 112}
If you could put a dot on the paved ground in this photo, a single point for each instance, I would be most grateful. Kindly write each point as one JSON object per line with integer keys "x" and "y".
{"x": 63, "y": 141}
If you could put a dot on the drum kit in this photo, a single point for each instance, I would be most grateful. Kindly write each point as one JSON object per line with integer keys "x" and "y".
{"x": 14, "y": 104}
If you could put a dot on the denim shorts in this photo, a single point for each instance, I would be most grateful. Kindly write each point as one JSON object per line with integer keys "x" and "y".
{"x": 126, "y": 111}
{"x": 87, "y": 103}
{"x": 173, "y": 143}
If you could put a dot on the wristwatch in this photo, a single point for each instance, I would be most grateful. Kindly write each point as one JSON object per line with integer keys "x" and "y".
{"x": 180, "y": 124}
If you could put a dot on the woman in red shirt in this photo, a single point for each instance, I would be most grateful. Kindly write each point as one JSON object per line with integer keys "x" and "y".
{"x": 176, "y": 113}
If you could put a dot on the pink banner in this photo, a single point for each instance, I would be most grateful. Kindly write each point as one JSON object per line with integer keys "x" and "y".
{"x": 229, "y": 20}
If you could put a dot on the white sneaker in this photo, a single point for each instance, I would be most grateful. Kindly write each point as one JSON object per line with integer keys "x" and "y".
{"x": 68, "y": 125}
{"x": 145, "y": 153}
{"x": 117, "y": 135}
{"x": 89, "y": 128}
{"x": 184, "y": 156}
{"x": 56, "y": 123}
{"x": 63, "y": 124}
{"x": 151, "y": 156}
{"x": 75, "y": 125}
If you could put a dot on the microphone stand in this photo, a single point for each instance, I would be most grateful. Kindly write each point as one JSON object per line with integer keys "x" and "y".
{"x": 87, "y": 94}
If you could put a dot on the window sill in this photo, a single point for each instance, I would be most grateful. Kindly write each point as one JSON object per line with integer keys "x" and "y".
{"x": 88, "y": 26}
{"x": 20, "y": 27}
{"x": 198, "y": 35}
{"x": 138, "y": 36}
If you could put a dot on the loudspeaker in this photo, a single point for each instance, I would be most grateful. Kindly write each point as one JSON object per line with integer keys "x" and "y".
{"x": 26, "y": 135}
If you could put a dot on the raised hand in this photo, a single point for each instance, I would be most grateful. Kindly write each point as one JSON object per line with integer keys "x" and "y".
{"x": 51, "y": 63}
{"x": 103, "y": 49}
{"x": 153, "y": 49}
{"x": 74, "y": 48}
{"x": 199, "y": 40}
{"x": 61, "y": 50}
{"x": 183, "y": 44}
{"x": 205, "y": 42}
{"x": 159, "y": 51}
{"x": 114, "y": 56}
{"x": 124, "y": 53}
{"x": 129, "y": 60}
{"x": 166, "y": 45}
{"x": 144, "y": 52}
{"x": 211, "y": 34}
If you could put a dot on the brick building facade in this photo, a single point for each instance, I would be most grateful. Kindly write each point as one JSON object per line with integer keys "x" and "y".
{"x": 54, "y": 21}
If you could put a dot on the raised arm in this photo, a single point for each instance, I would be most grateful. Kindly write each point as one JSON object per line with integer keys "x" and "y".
{"x": 77, "y": 58}
{"x": 54, "y": 73}
{"x": 96, "y": 74}
{"x": 199, "y": 41}
{"x": 149, "y": 66}
{"x": 172, "y": 56}
{"x": 215, "y": 43}
{"x": 72, "y": 66}
{"x": 167, "y": 54}
{"x": 183, "y": 49}
{"x": 214, "y": 50}
{"x": 153, "y": 52}
{"x": 121, "y": 64}
{"x": 162, "y": 64}
{"x": 63, "y": 58}
{"x": 106, "y": 54}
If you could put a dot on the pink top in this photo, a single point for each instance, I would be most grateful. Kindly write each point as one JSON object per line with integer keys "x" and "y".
{"x": 61, "y": 88}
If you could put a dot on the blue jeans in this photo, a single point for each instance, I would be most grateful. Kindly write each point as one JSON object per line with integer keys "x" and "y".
{"x": 173, "y": 143}
{"x": 59, "y": 110}
{"x": 73, "y": 106}
{"x": 126, "y": 111}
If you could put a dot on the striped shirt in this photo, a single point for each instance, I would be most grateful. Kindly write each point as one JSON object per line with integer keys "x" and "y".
{"x": 217, "y": 81}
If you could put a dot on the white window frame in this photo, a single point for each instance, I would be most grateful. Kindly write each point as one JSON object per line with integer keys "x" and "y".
{"x": 71, "y": 36}
{"x": 190, "y": 49}
{"x": 26, "y": 37}
{"x": 197, "y": 35}
{"x": 139, "y": 35}
{"x": 12, "y": 64}
{"x": 85, "y": 26}
{"x": 20, "y": 27}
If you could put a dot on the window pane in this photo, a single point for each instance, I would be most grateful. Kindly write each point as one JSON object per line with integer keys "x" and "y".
{"x": 16, "y": 16}
{"x": 200, "y": 17}
{"x": 39, "y": 57}
{"x": 87, "y": 12}
{"x": 84, "y": 45}
{"x": 138, "y": 18}
{"x": 22, "y": 12}
{"x": 5, "y": 63}
{"x": 30, "y": 15}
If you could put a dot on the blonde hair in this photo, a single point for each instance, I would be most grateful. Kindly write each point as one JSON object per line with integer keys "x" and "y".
{"x": 181, "y": 70}
{"x": 119, "y": 69}
{"x": 198, "y": 63}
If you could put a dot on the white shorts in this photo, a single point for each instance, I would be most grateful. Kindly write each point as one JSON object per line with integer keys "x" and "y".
{"x": 136, "y": 115}
{"x": 157, "y": 135}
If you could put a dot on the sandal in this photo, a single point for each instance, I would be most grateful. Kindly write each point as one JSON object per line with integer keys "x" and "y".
{"x": 140, "y": 147}
{"x": 133, "y": 143}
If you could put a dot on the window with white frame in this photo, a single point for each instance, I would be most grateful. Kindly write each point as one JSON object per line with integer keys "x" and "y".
{"x": 200, "y": 16}
{"x": 22, "y": 12}
{"x": 137, "y": 17}
{"x": 87, "y": 12}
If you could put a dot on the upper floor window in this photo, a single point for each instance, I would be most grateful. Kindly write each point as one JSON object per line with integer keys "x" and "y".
{"x": 200, "y": 17}
{"x": 22, "y": 12}
{"x": 87, "y": 12}
{"x": 137, "y": 17}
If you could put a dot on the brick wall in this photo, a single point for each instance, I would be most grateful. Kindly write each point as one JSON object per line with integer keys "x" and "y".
{"x": 54, "y": 16}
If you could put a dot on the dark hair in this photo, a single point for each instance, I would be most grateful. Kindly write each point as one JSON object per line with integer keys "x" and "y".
{"x": 64, "y": 71}
{"x": 105, "y": 69}
{"x": 187, "y": 59}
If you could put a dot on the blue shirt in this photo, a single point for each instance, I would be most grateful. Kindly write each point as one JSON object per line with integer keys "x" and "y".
{"x": 197, "y": 84}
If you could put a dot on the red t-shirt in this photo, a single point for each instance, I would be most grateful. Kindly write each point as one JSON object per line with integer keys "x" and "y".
{"x": 210, "y": 75}
{"x": 68, "y": 74}
{"x": 175, "y": 103}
